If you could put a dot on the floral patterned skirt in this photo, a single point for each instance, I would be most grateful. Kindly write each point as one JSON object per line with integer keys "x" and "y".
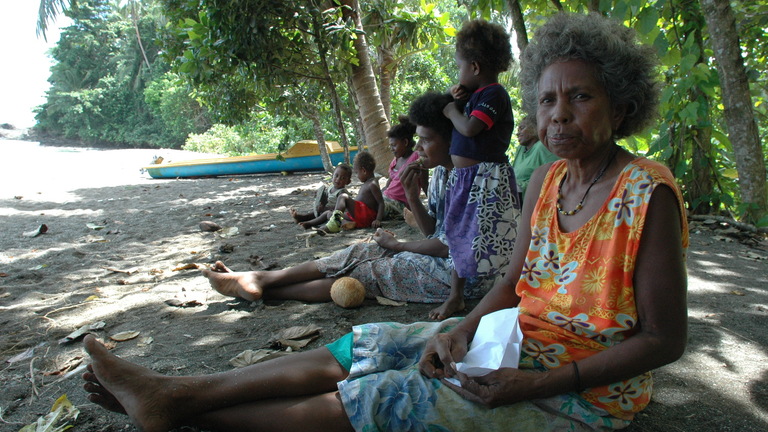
{"x": 404, "y": 276}
{"x": 482, "y": 209}
{"x": 386, "y": 392}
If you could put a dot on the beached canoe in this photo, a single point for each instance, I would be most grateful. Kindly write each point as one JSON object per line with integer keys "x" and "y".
{"x": 303, "y": 156}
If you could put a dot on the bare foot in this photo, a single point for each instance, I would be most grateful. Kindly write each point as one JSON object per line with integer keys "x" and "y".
{"x": 410, "y": 219}
{"x": 126, "y": 387}
{"x": 447, "y": 309}
{"x": 233, "y": 284}
{"x": 99, "y": 395}
{"x": 305, "y": 225}
{"x": 298, "y": 217}
{"x": 294, "y": 215}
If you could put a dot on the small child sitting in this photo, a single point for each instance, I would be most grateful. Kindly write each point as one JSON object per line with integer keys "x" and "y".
{"x": 327, "y": 195}
{"x": 401, "y": 143}
{"x": 366, "y": 210}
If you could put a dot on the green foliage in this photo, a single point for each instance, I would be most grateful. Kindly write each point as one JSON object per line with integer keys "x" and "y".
{"x": 98, "y": 84}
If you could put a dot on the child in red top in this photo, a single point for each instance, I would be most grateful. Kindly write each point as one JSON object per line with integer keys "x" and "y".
{"x": 366, "y": 210}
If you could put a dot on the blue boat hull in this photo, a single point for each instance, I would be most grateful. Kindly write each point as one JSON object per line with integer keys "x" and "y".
{"x": 241, "y": 165}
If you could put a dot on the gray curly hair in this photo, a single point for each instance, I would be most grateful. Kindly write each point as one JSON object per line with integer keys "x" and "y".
{"x": 626, "y": 68}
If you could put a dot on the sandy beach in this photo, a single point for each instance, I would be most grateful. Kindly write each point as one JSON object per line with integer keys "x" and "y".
{"x": 120, "y": 254}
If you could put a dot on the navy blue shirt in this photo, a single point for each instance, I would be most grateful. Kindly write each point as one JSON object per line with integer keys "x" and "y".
{"x": 491, "y": 105}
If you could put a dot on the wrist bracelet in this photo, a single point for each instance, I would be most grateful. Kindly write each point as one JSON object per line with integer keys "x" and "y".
{"x": 577, "y": 377}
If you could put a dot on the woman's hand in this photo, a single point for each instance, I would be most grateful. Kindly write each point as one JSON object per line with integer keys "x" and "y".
{"x": 375, "y": 224}
{"x": 410, "y": 177}
{"x": 500, "y": 387}
{"x": 385, "y": 239}
{"x": 440, "y": 352}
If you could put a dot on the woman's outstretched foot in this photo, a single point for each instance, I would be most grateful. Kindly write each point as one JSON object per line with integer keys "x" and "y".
{"x": 233, "y": 284}
{"x": 447, "y": 309}
{"x": 99, "y": 395}
{"x": 125, "y": 387}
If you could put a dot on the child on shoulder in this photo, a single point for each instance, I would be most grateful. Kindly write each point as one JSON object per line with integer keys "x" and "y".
{"x": 327, "y": 195}
{"x": 365, "y": 210}
{"x": 401, "y": 143}
{"x": 482, "y": 204}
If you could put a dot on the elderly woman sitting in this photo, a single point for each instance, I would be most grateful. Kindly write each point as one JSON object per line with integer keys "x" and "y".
{"x": 598, "y": 277}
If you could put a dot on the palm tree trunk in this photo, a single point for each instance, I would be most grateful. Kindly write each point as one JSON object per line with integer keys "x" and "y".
{"x": 371, "y": 109}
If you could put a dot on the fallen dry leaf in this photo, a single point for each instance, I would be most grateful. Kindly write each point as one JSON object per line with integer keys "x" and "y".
{"x": 294, "y": 344}
{"x": 188, "y": 266}
{"x": 67, "y": 366}
{"x": 124, "y": 336}
{"x": 82, "y": 331}
{"x": 126, "y": 271}
{"x": 182, "y": 304}
{"x": 249, "y": 357}
{"x": 388, "y": 302}
{"x": 297, "y": 332}
{"x": 145, "y": 341}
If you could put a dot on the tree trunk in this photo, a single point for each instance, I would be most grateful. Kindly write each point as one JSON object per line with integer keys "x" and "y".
{"x": 518, "y": 25}
{"x": 739, "y": 116}
{"x": 311, "y": 112}
{"x": 335, "y": 101}
{"x": 700, "y": 178}
{"x": 374, "y": 120}
{"x": 387, "y": 70}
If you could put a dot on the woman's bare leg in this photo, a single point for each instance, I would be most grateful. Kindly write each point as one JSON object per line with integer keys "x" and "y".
{"x": 252, "y": 285}
{"x": 155, "y": 402}
{"x": 316, "y": 413}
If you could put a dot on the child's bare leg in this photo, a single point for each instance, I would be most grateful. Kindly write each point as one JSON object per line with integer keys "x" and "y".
{"x": 300, "y": 217}
{"x": 159, "y": 403}
{"x": 455, "y": 300}
{"x": 323, "y": 218}
{"x": 345, "y": 203}
{"x": 254, "y": 285}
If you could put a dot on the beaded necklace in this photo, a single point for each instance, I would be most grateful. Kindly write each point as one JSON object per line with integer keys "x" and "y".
{"x": 580, "y": 205}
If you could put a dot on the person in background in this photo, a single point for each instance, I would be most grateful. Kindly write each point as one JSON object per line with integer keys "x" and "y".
{"x": 530, "y": 154}
{"x": 326, "y": 196}
{"x": 366, "y": 210}
{"x": 402, "y": 145}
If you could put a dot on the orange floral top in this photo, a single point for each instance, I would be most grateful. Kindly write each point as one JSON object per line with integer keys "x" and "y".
{"x": 577, "y": 288}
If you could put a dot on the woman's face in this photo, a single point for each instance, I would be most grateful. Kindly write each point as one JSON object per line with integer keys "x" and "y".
{"x": 526, "y": 135}
{"x": 574, "y": 115}
{"x": 398, "y": 146}
{"x": 432, "y": 147}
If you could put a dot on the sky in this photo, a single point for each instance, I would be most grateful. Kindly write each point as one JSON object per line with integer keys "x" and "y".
{"x": 24, "y": 64}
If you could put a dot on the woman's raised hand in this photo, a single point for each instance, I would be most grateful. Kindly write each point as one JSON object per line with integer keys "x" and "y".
{"x": 410, "y": 177}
